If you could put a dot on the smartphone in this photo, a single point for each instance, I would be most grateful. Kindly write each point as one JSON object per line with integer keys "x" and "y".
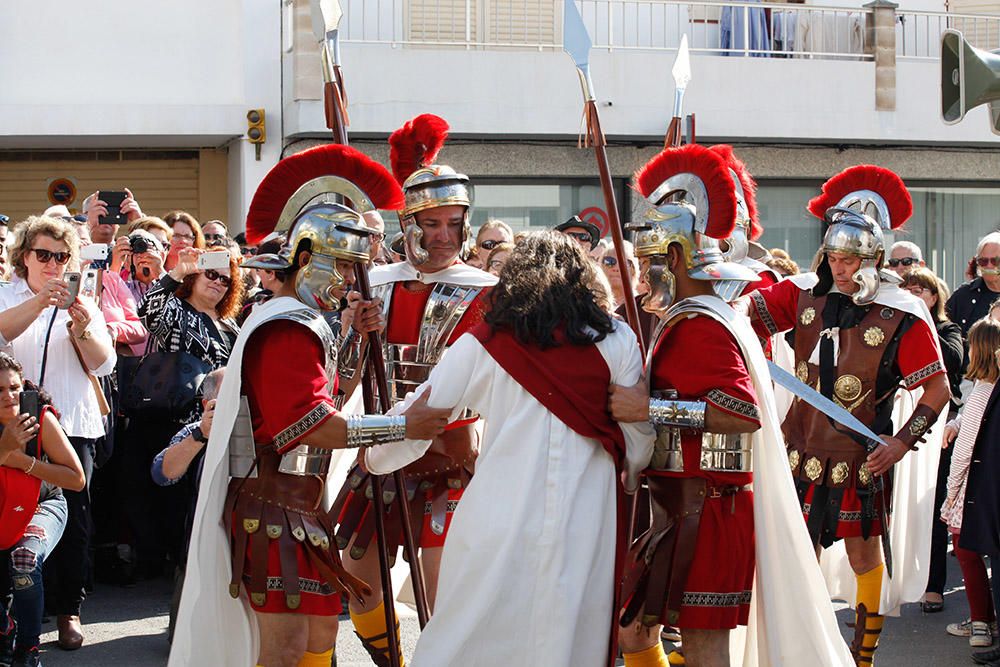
{"x": 29, "y": 406}
{"x": 95, "y": 251}
{"x": 72, "y": 279}
{"x": 114, "y": 200}
{"x": 90, "y": 284}
{"x": 214, "y": 260}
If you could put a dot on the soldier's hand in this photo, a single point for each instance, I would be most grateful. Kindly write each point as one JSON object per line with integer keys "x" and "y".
{"x": 629, "y": 404}
{"x": 884, "y": 458}
{"x": 369, "y": 317}
{"x": 424, "y": 422}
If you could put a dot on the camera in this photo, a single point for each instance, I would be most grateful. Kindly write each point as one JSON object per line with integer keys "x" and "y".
{"x": 139, "y": 244}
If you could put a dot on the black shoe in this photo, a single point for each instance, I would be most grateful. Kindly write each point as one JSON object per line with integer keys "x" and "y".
{"x": 7, "y": 645}
{"x": 987, "y": 657}
{"x": 27, "y": 658}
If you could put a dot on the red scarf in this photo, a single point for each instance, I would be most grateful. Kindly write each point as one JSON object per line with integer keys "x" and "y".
{"x": 570, "y": 381}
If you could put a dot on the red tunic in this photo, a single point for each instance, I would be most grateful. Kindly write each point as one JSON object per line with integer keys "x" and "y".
{"x": 700, "y": 359}
{"x": 287, "y": 401}
{"x": 775, "y": 309}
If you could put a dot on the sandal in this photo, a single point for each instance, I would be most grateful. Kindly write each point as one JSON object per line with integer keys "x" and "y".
{"x": 929, "y": 607}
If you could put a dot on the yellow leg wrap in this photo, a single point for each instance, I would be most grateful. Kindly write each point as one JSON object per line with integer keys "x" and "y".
{"x": 650, "y": 657}
{"x": 869, "y": 593}
{"x": 316, "y": 659}
{"x": 370, "y": 628}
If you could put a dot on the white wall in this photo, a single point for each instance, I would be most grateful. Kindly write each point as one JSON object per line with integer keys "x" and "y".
{"x": 536, "y": 94}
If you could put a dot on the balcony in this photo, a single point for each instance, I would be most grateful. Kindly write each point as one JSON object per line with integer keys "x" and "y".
{"x": 761, "y": 71}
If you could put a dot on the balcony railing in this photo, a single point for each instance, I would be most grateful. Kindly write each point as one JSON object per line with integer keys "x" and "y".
{"x": 718, "y": 28}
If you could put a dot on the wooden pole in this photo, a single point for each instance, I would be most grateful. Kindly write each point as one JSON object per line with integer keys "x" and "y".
{"x": 611, "y": 204}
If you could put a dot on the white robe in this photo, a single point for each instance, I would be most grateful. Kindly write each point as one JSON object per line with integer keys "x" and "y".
{"x": 527, "y": 573}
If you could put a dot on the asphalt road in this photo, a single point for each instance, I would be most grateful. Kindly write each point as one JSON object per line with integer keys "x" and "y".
{"x": 128, "y": 627}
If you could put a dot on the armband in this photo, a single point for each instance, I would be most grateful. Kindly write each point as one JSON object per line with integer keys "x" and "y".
{"x": 370, "y": 430}
{"x": 349, "y": 354}
{"x": 920, "y": 422}
{"x": 679, "y": 414}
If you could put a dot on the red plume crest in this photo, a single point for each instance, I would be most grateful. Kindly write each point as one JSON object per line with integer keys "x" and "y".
{"x": 866, "y": 177}
{"x": 416, "y": 144}
{"x": 708, "y": 166}
{"x": 748, "y": 184}
{"x": 329, "y": 160}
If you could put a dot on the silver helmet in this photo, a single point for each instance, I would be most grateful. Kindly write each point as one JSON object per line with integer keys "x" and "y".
{"x": 693, "y": 204}
{"x": 861, "y": 207}
{"x": 301, "y": 198}
{"x": 430, "y": 187}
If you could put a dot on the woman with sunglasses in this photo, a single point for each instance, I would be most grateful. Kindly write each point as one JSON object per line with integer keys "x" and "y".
{"x": 46, "y": 339}
{"x": 187, "y": 310}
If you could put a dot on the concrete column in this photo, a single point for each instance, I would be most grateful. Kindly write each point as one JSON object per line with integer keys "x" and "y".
{"x": 880, "y": 38}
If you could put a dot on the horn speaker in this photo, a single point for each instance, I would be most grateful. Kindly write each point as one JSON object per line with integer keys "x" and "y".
{"x": 969, "y": 77}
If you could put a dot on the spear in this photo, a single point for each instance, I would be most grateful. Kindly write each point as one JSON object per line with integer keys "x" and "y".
{"x": 326, "y": 15}
{"x": 576, "y": 42}
{"x": 682, "y": 76}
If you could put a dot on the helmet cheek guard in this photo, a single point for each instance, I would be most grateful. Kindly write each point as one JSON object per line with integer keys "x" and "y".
{"x": 318, "y": 283}
{"x": 662, "y": 286}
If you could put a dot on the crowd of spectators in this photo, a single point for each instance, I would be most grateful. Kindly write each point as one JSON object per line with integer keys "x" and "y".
{"x": 117, "y": 481}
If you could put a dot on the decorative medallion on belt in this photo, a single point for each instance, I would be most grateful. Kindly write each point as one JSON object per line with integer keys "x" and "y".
{"x": 793, "y": 459}
{"x": 847, "y": 387}
{"x": 887, "y": 313}
{"x": 874, "y": 336}
{"x": 813, "y": 468}
{"x": 808, "y": 315}
{"x": 802, "y": 371}
{"x": 918, "y": 426}
{"x": 864, "y": 474}
{"x": 840, "y": 472}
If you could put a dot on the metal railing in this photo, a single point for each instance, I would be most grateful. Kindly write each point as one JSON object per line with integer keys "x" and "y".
{"x": 755, "y": 29}
{"x": 720, "y": 28}
{"x": 918, "y": 34}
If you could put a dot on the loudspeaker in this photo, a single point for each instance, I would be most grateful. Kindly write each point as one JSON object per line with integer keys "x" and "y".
{"x": 969, "y": 77}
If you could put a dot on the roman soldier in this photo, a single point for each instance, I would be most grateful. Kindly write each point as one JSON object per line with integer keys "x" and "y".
{"x": 429, "y": 300}
{"x": 260, "y": 532}
{"x": 858, "y": 337}
{"x": 742, "y": 247}
{"x": 716, "y": 469}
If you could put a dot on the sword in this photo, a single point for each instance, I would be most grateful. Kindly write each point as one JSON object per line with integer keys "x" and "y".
{"x": 845, "y": 418}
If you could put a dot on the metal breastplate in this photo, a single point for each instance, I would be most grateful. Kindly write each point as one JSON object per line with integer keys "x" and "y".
{"x": 408, "y": 366}
{"x": 300, "y": 460}
{"x": 720, "y": 452}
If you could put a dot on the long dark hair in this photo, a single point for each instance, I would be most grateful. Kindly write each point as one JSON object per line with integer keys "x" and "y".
{"x": 9, "y": 363}
{"x": 548, "y": 283}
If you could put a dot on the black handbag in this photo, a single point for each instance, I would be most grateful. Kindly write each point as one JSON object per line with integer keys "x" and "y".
{"x": 164, "y": 382}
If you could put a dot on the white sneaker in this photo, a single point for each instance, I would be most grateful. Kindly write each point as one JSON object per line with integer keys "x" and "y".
{"x": 980, "y": 636}
{"x": 963, "y": 629}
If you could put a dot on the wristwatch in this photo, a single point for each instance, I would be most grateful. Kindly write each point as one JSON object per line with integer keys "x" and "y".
{"x": 199, "y": 436}
{"x": 85, "y": 335}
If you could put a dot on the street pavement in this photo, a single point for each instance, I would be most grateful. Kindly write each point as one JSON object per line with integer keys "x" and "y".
{"x": 128, "y": 627}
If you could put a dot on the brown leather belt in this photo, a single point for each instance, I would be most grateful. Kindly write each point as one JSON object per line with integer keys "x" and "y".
{"x": 661, "y": 559}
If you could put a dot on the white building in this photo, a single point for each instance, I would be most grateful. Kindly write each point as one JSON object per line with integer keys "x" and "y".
{"x": 154, "y": 97}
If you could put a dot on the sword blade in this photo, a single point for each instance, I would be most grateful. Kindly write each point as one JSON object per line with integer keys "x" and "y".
{"x": 822, "y": 403}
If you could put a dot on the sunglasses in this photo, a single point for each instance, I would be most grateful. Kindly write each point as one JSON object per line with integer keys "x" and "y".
{"x": 905, "y": 261}
{"x": 489, "y": 244}
{"x": 212, "y": 274}
{"x": 215, "y": 237}
{"x": 610, "y": 262}
{"x": 987, "y": 261}
{"x": 45, "y": 256}
{"x": 580, "y": 236}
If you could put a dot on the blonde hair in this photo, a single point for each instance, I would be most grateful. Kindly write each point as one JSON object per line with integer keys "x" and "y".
{"x": 149, "y": 223}
{"x": 984, "y": 343}
{"x": 27, "y": 231}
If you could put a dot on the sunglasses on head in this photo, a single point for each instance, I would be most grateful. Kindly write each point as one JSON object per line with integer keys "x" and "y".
{"x": 489, "y": 244}
{"x": 987, "y": 261}
{"x": 905, "y": 261}
{"x": 45, "y": 256}
{"x": 580, "y": 236}
{"x": 212, "y": 274}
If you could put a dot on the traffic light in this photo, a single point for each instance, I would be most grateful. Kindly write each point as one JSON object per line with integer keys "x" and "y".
{"x": 256, "y": 129}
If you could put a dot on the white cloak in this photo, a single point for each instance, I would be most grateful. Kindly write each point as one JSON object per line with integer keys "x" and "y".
{"x": 527, "y": 573}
